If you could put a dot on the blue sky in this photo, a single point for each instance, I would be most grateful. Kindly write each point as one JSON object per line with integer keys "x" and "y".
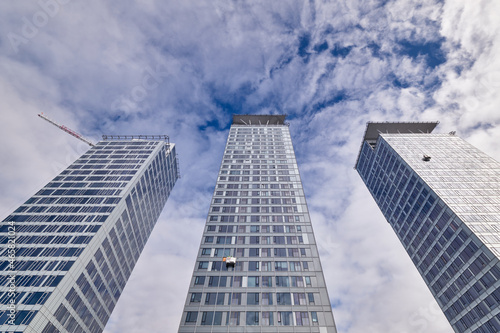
{"x": 183, "y": 67}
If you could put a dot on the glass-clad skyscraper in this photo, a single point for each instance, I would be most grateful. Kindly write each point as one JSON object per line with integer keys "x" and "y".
{"x": 258, "y": 268}
{"x": 78, "y": 238}
{"x": 442, "y": 198}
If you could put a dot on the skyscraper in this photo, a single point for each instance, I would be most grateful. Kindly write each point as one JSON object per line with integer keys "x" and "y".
{"x": 442, "y": 198}
{"x": 258, "y": 266}
{"x": 78, "y": 238}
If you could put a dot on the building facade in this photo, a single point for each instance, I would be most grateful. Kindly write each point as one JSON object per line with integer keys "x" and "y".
{"x": 442, "y": 198}
{"x": 78, "y": 238}
{"x": 258, "y": 268}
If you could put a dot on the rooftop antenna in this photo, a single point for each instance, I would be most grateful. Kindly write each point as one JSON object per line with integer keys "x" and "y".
{"x": 67, "y": 130}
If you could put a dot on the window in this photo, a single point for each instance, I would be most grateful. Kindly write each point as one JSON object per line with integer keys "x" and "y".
{"x": 199, "y": 280}
{"x": 206, "y": 252}
{"x": 266, "y": 239}
{"x": 209, "y": 239}
{"x": 218, "y": 266}
{"x": 213, "y": 281}
{"x": 224, "y": 239}
{"x": 218, "y": 318}
{"x": 236, "y": 299}
{"x": 191, "y": 316}
{"x": 210, "y": 298}
{"x": 302, "y": 318}
{"x": 284, "y": 318}
{"x": 207, "y": 318}
{"x": 280, "y": 252}
{"x": 195, "y": 298}
{"x": 279, "y": 239}
{"x": 253, "y": 281}
{"x": 254, "y": 239}
{"x": 283, "y": 299}
{"x": 267, "y": 318}
{"x": 267, "y": 299}
{"x": 252, "y": 318}
{"x": 266, "y": 266}
{"x": 240, "y": 253}
{"x": 299, "y": 299}
{"x": 314, "y": 317}
{"x": 280, "y": 266}
{"x": 234, "y": 318}
{"x": 254, "y": 252}
{"x": 267, "y": 281}
{"x": 282, "y": 281}
{"x": 253, "y": 265}
{"x": 222, "y": 252}
{"x": 297, "y": 281}
{"x": 310, "y": 296}
{"x": 252, "y": 298}
{"x": 236, "y": 281}
{"x": 202, "y": 264}
{"x": 254, "y": 228}
{"x": 295, "y": 266}
{"x": 308, "y": 280}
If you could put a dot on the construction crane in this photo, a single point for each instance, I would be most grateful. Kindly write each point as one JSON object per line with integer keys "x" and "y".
{"x": 67, "y": 130}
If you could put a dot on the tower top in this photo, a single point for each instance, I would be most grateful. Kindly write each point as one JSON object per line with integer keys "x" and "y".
{"x": 374, "y": 129}
{"x": 246, "y": 119}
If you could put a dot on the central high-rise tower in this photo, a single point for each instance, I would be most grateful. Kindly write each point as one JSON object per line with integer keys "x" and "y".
{"x": 258, "y": 266}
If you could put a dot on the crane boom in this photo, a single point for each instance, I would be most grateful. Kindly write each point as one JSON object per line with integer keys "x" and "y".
{"x": 67, "y": 130}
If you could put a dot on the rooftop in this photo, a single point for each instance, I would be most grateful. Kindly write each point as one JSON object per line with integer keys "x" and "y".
{"x": 374, "y": 129}
{"x": 246, "y": 119}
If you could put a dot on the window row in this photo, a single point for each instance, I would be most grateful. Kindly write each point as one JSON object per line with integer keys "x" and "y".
{"x": 252, "y": 318}
{"x": 39, "y": 280}
{"x": 264, "y": 266}
{"x": 253, "y": 252}
{"x": 46, "y": 252}
{"x": 253, "y": 240}
{"x": 55, "y": 218}
{"x": 255, "y": 178}
{"x": 254, "y": 209}
{"x": 222, "y": 298}
{"x": 253, "y": 228}
{"x": 242, "y": 281}
{"x": 80, "y": 193}
{"x": 64, "y": 209}
{"x": 46, "y": 228}
{"x": 256, "y": 218}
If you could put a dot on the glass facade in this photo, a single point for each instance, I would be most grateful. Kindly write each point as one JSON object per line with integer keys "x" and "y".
{"x": 78, "y": 238}
{"x": 258, "y": 268}
{"x": 441, "y": 196}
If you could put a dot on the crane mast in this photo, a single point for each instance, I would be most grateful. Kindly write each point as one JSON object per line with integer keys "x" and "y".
{"x": 67, "y": 130}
